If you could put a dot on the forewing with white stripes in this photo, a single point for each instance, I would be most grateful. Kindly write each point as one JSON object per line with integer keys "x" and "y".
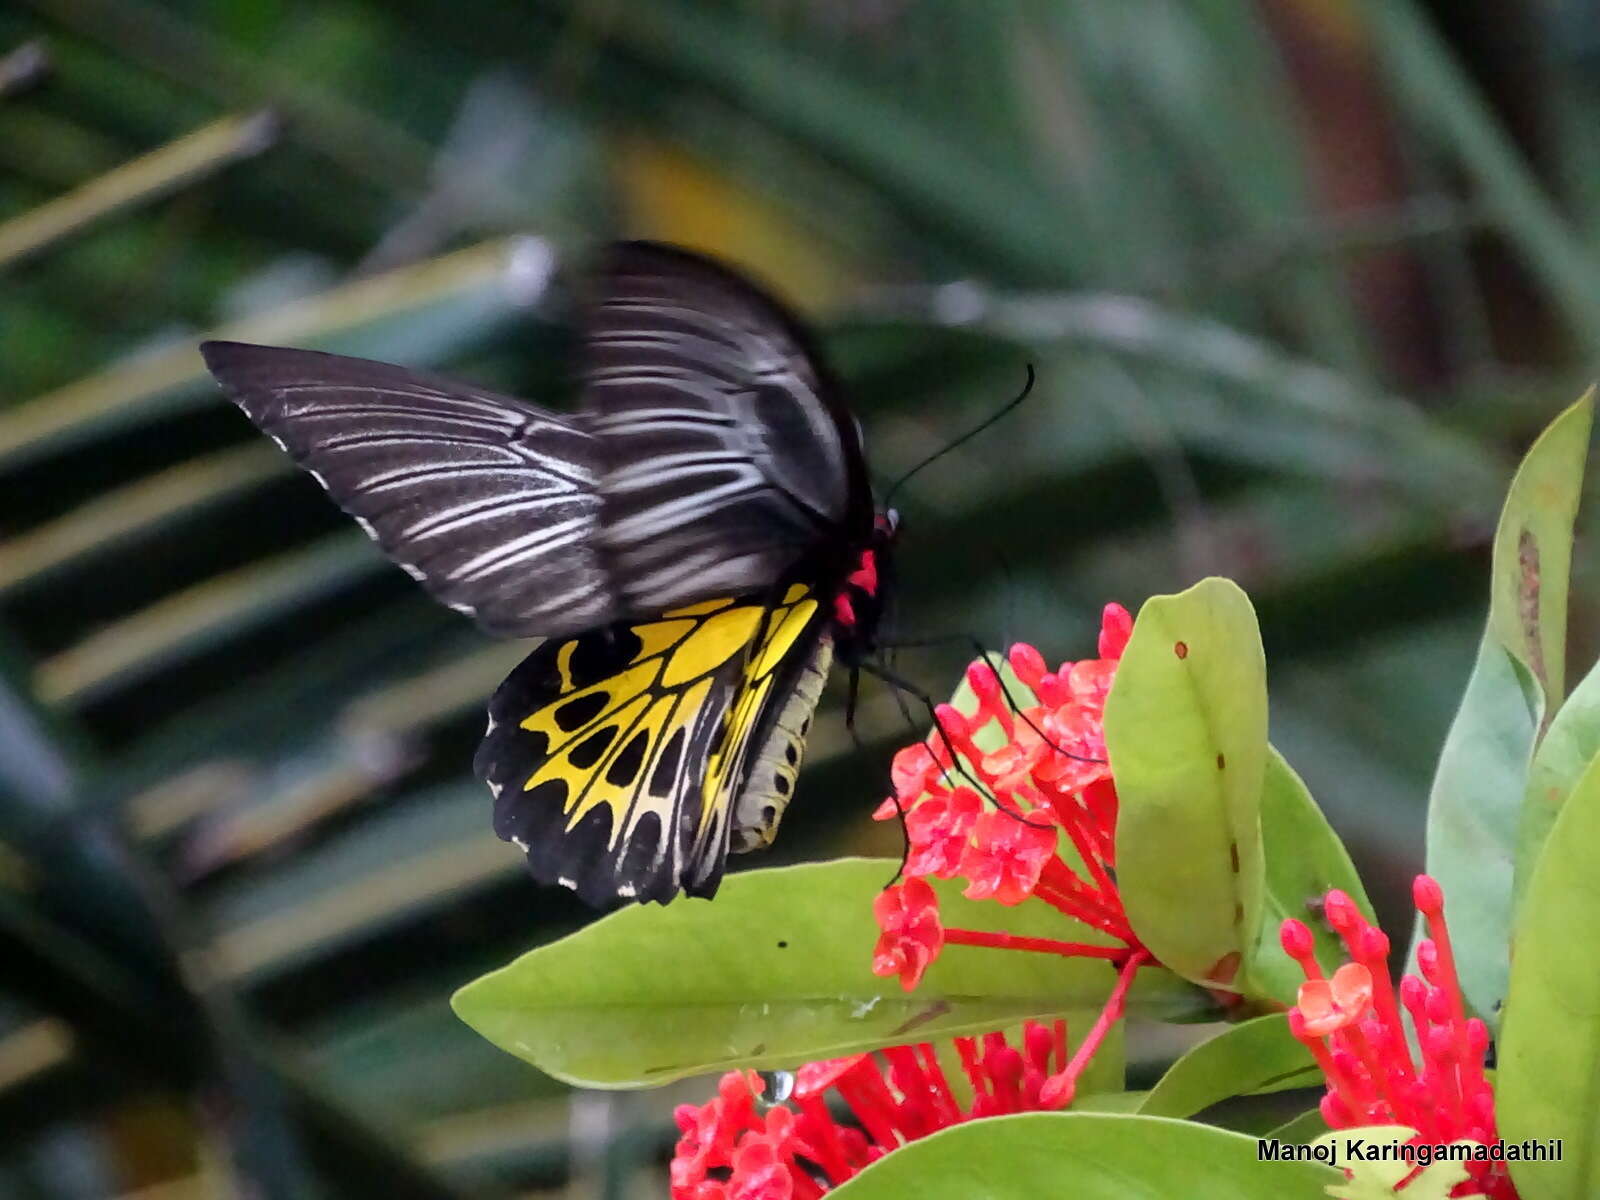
{"x": 723, "y": 457}
{"x": 489, "y": 501}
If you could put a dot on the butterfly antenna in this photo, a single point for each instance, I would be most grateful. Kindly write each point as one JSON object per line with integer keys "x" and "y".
{"x": 965, "y": 437}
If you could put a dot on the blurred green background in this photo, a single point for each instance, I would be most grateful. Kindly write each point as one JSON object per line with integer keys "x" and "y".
{"x": 1299, "y": 278}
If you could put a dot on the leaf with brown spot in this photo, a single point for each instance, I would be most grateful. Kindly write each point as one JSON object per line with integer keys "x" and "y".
{"x": 1188, "y": 836}
{"x": 1478, "y": 826}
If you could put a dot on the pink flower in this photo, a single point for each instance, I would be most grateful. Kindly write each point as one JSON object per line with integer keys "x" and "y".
{"x": 1001, "y": 815}
{"x": 1353, "y": 1027}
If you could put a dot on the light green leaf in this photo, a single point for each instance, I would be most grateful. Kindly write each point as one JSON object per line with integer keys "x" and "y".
{"x": 1186, "y": 731}
{"x": 1377, "y": 1180}
{"x": 1550, "y": 1049}
{"x": 1304, "y": 860}
{"x": 1256, "y": 1056}
{"x": 1568, "y": 745}
{"x": 1475, "y": 807}
{"x": 1087, "y": 1156}
{"x": 776, "y": 972}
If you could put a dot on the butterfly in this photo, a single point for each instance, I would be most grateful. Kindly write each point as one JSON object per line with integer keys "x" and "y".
{"x": 695, "y": 545}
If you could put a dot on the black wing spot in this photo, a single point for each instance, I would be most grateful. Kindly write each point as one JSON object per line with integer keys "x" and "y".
{"x": 587, "y": 752}
{"x": 792, "y": 753}
{"x": 627, "y": 763}
{"x": 577, "y": 713}
{"x": 600, "y": 657}
{"x": 661, "y": 779}
{"x": 769, "y": 815}
{"x": 780, "y": 783}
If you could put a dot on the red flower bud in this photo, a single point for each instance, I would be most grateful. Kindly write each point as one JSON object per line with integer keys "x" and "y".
{"x": 1116, "y": 627}
{"x": 1427, "y": 895}
{"x": 983, "y": 682}
{"x": 1027, "y": 663}
{"x": 1296, "y": 939}
{"x": 952, "y": 723}
{"x": 1341, "y": 911}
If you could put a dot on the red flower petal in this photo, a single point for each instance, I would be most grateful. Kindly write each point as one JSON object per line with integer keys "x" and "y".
{"x": 913, "y": 771}
{"x": 938, "y": 829}
{"x": 760, "y": 1172}
{"x": 1006, "y": 857}
{"x": 912, "y": 934}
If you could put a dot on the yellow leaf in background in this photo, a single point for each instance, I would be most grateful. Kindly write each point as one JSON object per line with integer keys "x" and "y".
{"x": 673, "y": 196}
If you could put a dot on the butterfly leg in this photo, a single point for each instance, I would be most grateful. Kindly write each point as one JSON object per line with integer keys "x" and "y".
{"x": 900, "y": 684}
{"x": 993, "y": 660}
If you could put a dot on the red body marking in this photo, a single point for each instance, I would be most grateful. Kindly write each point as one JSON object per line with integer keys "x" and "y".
{"x": 865, "y": 576}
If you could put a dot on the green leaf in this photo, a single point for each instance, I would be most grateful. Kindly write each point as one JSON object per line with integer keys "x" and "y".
{"x": 1304, "y": 860}
{"x": 1475, "y": 807}
{"x": 774, "y": 973}
{"x": 1108, "y": 1102}
{"x": 1186, "y": 731}
{"x": 1256, "y": 1056}
{"x": 1377, "y": 1180}
{"x": 1550, "y": 1048}
{"x": 1568, "y": 745}
{"x": 1302, "y": 1130}
{"x": 1087, "y": 1156}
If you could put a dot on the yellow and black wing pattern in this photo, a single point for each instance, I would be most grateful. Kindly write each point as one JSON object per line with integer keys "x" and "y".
{"x": 627, "y": 761}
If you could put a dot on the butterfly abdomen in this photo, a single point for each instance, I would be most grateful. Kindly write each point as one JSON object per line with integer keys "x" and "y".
{"x": 770, "y": 781}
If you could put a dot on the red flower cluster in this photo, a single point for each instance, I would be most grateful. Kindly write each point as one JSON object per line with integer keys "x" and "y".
{"x": 1351, "y": 1023}
{"x": 731, "y": 1150}
{"x": 996, "y": 817}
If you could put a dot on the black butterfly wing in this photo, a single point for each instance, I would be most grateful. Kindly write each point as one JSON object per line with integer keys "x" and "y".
{"x": 489, "y": 501}
{"x": 624, "y": 760}
{"x": 725, "y": 454}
